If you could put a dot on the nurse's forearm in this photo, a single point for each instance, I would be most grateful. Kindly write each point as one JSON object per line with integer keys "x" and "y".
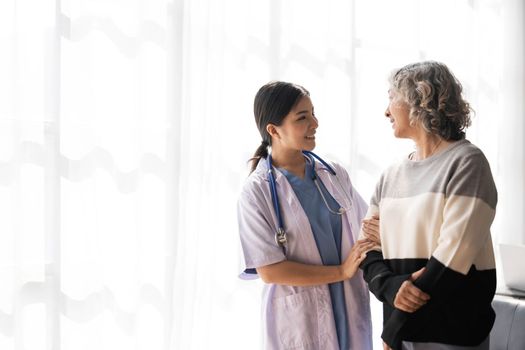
{"x": 296, "y": 274}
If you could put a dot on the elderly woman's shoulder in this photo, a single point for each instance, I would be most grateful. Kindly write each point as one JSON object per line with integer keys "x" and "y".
{"x": 468, "y": 153}
{"x": 465, "y": 148}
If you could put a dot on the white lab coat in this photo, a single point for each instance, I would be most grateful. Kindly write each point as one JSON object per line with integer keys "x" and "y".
{"x": 301, "y": 317}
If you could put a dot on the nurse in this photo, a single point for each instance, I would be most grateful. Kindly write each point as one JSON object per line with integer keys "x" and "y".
{"x": 314, "y": 295}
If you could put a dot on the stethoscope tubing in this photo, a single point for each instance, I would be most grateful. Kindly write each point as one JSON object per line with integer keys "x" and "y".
{"x": 273, "y": 189}
{"x": 280, "y": 235}
{"x": 327, "y": 166}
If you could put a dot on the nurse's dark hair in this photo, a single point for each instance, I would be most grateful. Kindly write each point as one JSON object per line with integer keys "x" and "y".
{"x": 435, "y": 98}
{"x": 272, "y": 103}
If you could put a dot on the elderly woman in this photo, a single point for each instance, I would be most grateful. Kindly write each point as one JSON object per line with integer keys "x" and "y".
{"x": 435, "y": 270}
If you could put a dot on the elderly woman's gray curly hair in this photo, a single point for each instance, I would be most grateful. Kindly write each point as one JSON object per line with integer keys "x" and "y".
{"x": 434, "y": 96}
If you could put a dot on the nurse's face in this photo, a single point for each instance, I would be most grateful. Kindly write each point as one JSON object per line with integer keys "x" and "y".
{"x": 398, "y": 112}
{"x": 297, "y": 131}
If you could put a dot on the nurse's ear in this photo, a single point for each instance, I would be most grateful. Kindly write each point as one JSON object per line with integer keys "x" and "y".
{"x": 272, "y": 131}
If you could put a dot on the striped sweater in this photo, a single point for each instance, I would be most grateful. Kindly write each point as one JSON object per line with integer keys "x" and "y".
{"x": 436, "y": 213}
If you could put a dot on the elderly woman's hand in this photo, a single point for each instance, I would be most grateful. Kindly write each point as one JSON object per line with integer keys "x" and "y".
{"x": 410, "y": 298}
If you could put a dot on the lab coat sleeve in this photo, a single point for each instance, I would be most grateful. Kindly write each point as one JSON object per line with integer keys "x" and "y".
{"x": 257, "y": 232}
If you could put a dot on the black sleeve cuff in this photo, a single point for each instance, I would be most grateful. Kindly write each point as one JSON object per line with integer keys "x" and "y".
{"x": 381, "y": 281}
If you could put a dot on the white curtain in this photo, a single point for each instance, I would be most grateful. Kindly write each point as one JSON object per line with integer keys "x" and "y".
{"x": 125, "y": 128}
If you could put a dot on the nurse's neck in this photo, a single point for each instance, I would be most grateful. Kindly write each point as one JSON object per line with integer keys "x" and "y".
{"x": 290, "y": 160}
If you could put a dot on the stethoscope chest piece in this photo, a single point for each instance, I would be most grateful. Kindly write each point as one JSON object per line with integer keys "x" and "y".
{"x": 280, "y": 237}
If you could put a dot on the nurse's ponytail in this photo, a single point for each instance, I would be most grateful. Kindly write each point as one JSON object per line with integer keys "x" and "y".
{"x": 261, "y": 152}
{"x": 272, "y": 104}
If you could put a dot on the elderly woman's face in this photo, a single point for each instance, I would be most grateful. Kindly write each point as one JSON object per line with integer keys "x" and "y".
{"x": 398, "y": 111}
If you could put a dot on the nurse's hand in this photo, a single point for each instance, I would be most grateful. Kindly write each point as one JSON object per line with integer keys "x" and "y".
{"x": 410, "y": 298}
{"x": 386, "y": 347}
{"x": 371, "y": 229}
{"x": 356, "y": 256}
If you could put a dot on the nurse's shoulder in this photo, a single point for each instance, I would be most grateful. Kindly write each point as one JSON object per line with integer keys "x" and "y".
{"x": 256, "y": 184}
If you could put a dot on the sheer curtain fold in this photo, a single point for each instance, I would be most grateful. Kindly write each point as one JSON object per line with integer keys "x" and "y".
{"x": 125, "y": 130}
{"x": 511, "y": 156}
{"x": 86, "y": 159}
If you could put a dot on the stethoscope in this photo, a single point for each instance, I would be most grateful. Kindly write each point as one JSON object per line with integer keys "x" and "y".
{"x": 280, "y": 234}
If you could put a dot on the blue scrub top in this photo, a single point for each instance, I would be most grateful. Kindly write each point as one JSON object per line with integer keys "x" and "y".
{"x": 327, "y": 229}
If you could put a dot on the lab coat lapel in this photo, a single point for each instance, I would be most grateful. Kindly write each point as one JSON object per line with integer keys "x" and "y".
{"x": 330, "y": 182}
